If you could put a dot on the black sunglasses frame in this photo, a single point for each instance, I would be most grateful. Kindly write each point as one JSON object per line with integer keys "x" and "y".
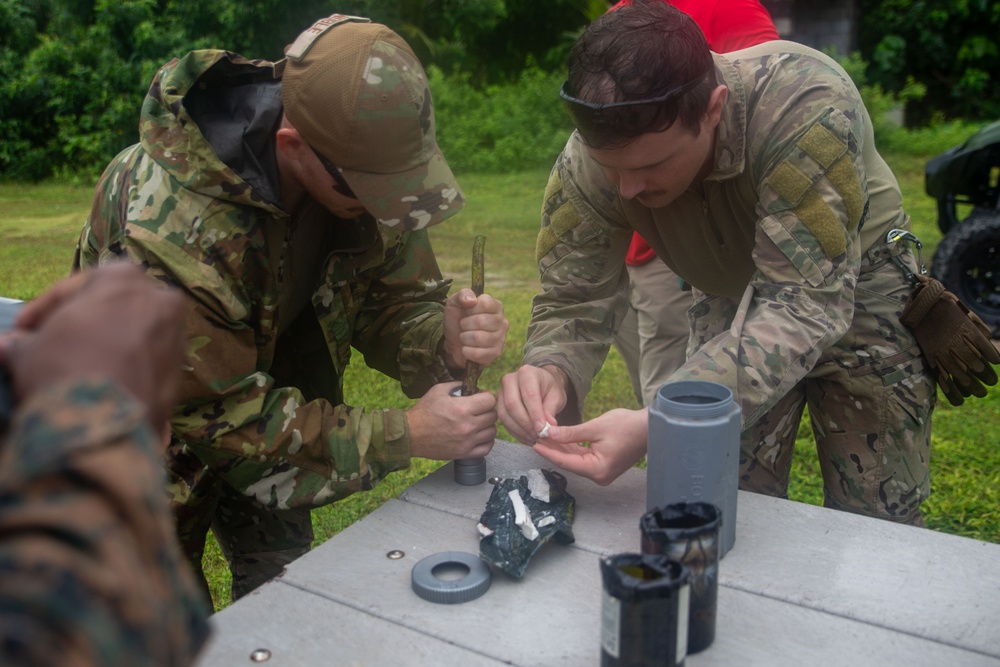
{"x": 595, "y": 119}
{"x": 340, "y": 185}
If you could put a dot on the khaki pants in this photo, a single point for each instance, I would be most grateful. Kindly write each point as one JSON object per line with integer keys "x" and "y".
{"x": 654, "y": 333}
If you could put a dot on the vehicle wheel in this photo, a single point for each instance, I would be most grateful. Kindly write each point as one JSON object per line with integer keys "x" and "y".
{"x": 967, "y": 262}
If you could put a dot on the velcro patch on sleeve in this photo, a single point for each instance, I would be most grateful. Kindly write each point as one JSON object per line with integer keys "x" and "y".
{"x": 822, "y": 145}
{"x": 561, "y": 221}
{"x": 553, "y": 187}
{"x": 819, "y": 218}
{"x": 822, "y": 187}
{"x": 558, "y": 217}
{"x": 846, "y": 181}
{"x": 789, "y": 182}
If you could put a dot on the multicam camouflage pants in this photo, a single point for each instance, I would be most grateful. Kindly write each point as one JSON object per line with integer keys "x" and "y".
{"x": 257, "y": 542}
{"x": 870, "y": 400}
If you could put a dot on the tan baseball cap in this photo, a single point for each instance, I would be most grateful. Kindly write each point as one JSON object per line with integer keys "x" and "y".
{"x": 357, "y": 94}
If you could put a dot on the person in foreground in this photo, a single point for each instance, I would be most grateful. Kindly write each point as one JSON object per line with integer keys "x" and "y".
{"x": 754, "y": 176}
{"x": 90, "y": 569}
{"x": 288, "y": 202}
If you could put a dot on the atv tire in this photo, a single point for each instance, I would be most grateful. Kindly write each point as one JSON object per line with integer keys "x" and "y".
{"x": 967, "y": 262}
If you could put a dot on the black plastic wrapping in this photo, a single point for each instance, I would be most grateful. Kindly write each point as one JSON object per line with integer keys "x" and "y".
{"x": 505, "y": 543}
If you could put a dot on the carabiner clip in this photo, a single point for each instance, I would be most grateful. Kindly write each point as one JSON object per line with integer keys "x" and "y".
{"x": 897, "y": 235}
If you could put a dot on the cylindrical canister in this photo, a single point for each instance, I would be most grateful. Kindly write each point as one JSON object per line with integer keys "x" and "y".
{"x": 693, "y": 450}
{"x": 644, "y": 611}
{"x": 469, "y": 472}
{"x": 689, "y": 533}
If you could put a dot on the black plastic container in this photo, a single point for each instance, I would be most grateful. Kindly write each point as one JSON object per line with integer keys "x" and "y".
{"x": 689, "y": 533}
{"x": 644, "y": 613}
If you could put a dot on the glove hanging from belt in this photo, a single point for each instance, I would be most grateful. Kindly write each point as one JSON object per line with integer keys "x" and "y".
{"x": 953, "y": 338}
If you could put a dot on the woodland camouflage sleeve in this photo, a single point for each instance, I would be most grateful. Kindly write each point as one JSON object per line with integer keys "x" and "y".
{"x": 91, "y": 570}
{"x": 268, "y": 440}
{"x": 400, "y": 329}
{"x": 272, "y": 443}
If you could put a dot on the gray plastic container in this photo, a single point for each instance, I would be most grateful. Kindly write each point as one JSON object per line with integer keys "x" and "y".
{"x": 694, "y": 450}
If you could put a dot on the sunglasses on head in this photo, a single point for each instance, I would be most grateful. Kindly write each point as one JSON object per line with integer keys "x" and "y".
{"x": 339, "y": 184}
{"x": 630, "y": 118}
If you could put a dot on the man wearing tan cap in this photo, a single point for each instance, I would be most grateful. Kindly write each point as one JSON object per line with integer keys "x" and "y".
{"x": 289, "y": 203}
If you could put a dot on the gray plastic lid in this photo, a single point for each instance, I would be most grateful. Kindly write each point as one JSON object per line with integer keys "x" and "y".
{"x": 433, "y": 588}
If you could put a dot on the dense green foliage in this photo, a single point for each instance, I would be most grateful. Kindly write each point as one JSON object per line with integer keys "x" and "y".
{"x": 76, "y": 70}
{"x": 951, "y": 47}
{"x": 501, "y": 127}
{"x": 891, "y": 136}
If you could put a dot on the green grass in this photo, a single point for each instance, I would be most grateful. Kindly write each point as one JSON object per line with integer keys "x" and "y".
{"x": 39, "y": 226}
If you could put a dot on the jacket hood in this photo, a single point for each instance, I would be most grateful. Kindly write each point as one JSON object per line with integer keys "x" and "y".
{"x": 186, "y": 135}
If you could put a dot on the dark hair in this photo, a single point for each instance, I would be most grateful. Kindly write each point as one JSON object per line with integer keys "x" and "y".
{"x": 638, "y": 52}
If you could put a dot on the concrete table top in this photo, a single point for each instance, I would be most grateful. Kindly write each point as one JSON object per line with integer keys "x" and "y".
{"x": 803, "y": 585}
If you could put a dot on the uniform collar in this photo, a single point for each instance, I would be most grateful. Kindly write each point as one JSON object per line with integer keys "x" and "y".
{"x": 730, "y": 135}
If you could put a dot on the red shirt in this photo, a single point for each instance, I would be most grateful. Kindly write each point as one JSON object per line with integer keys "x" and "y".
{"x": 729, "y": 25}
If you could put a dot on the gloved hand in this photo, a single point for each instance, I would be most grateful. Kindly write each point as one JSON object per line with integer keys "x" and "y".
{"x": 954, "y": 340}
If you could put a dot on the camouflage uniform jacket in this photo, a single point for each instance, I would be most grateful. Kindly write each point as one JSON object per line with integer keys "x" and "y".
{"x": 797, "y": 195}
{"x": 266, "y": 416}
{"x": 91, "y": 571}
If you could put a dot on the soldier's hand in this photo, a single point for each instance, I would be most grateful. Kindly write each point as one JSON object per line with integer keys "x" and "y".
{"x": 529, "y": 398}
{"x": 444, "y": 427}
{"x": 113, "y": 322}
{"x": 474, "y": 329}
{"x": 34, "y": 312}
{"x": 617, "y": 442}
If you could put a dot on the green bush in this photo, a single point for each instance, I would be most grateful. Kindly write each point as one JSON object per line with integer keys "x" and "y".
{"x": 72, "y": 101}
{"x": 949, "y": 47}
{"x": 77, "y": 72}
{"x": 500, "y": 128}
{"x": 928, "y": 140}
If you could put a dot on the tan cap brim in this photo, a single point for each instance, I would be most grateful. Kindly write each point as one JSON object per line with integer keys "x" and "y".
{"x": 413, "y": 199}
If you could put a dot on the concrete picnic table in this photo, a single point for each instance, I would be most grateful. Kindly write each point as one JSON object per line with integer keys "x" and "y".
{"x": 803, "y": 585}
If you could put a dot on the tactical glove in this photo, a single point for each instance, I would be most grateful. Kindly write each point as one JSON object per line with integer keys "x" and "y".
{"x": 953, "y": 338}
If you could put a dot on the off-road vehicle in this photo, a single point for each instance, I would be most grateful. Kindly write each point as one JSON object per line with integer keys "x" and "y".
{"x": 965, "y": 180}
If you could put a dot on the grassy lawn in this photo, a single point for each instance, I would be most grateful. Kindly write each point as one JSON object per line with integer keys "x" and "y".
{"x": 38, "y": 230}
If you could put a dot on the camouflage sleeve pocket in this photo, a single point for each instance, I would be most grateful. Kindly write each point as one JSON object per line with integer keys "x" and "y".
{"x": 781, "y": 247}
